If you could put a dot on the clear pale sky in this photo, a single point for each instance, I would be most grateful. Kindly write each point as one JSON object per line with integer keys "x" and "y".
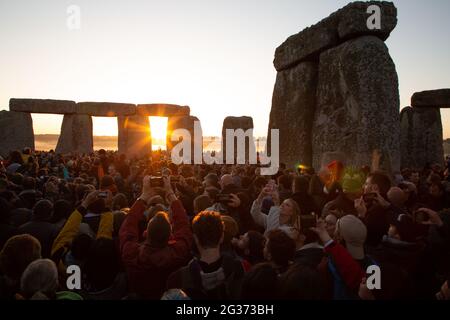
{"x": 215, "y": 56}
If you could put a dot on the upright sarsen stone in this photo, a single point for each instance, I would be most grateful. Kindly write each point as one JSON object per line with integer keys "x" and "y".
{"x": 16, "y": 131}
{"x": 292, "y": 113}
{"x": 194, "y": 138}
{"x": 134, "y": 136}
{"x": 76, "y": 134}
{"x": 357, "y": 104}
{"x": 235, "y": 123}
{"x": 421, "y": 137}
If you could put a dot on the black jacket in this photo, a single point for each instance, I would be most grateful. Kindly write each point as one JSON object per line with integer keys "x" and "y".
{"x": 45, "y": 232}
{"x": 222, "y": 284}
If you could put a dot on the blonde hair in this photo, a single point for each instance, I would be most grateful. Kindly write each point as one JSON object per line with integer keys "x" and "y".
{"x": 296, "y": 212}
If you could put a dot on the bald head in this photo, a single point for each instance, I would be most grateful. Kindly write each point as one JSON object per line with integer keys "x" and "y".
{"x": 396, "y": 196}
{"x": 226, "y": 180}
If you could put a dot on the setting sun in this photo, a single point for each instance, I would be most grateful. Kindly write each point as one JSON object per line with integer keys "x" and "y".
{"x": 158, "y": 128}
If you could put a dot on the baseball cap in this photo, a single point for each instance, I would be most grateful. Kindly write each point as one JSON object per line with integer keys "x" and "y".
{"x": 354, "y": 232}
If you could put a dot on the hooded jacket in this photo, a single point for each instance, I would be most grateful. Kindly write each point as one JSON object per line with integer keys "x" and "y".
{"x": 148, "y": 267}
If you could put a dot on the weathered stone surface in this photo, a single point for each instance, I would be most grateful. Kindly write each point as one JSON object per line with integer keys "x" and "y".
{"x": 162, "y": 110}
{"x": 245, "y": 123}
{"x": 353, "y": 20}
{"x": 357, "y": 104}
{"x": 421, "y": 137}
{"x": 76, "y": 134}
{"x": 292, "y": 113}
{"x": 134, "y": 136}
{"x": 42, "y": 106}
{"x": 16, "y": 131}
{"x": 348, "y": 22}
{"x": 195, "y": 138}
{"x": 106, "y": 109}
{"x": 433, "y": 98}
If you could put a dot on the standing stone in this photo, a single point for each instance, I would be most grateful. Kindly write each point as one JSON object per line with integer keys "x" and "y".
{"x": 16, "y": 131}
{"x": 421, "y": 137}
{"x": 195, "y": 138}
{"x": 357, "y": 104}
{"x": 235, "y": 123}
{"x": 292, "y": 113}
{"x": 134, "y": 136}
{"x": 76, "y": 134}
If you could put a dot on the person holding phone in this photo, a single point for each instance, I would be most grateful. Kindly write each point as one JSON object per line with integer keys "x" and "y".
{"x": 166, "y": 247}
{"x": 285, "y": 216}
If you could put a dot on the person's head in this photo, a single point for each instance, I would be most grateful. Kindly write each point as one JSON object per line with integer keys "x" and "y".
{"x": 352, "y": 233}
{"x": 5, "y": 210}
{"x": 397, "y": 196}
{"x": 208, "y": 230}
{"x": 252, "y": 244}
{"x": 16, "y": 157}
{"x": 280, "y": 248}
{"x": 211, "y": 180}
{"x": 330, "y": 224}
{"x": 302, "y": 282}
{"x": 119, "y": 202}
{"x": 29, "y": 183}
{"x": 289, "y": 212}
{"x": 285, "y": 182}
{"x": 42, "y": 211}
{"x": 107, "y": 183}
{"x": 61, "y": 210}
{"x": 403, "y": 229}
{"x": 80, "y": 247}
{"x": 300, "y": 185}
{"x": 112, "y": 170}
{"x": 414, "y": 177}
{"x": 39, "y": 280}
{"x": 16, "y": 255}
{"x": 159, "y": 230}
{"x": 377, "y": 182}
{"x": 225, "y": 180}
{"x": 260, "y": 283}
{"x": 201, "y": 203}
{"x": 231, "y": 229}
{"x": 436, "y": 190}
{"x": 102, "y": 264}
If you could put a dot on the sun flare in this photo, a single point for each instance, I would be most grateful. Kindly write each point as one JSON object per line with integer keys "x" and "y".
{"x": 158, "y": 128}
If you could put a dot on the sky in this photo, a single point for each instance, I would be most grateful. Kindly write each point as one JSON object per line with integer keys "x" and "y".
{"x": 215, "y": 56}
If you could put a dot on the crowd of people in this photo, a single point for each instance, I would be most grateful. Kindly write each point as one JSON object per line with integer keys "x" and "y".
{"x": 151, "y": 229}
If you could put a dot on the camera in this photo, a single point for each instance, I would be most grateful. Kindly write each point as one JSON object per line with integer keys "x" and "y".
{"x": 307, "y": 221}
{"x": 420, "y": 216}
{"x": 156, "y": 182}
{"x": 223, "y": 198}
{"x": 103, "y": 194}
{"x": 369, "y": 197}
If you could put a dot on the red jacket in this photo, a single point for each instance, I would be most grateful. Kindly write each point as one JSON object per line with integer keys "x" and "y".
{"x": 349, "y": 269}
{"x": 148, "y": 267}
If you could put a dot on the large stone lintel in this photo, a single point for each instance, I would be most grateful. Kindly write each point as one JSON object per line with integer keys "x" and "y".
{"x": 162, "y": 110}
{"x": 348, "y": 22}
{"x": 42, "y": 106}
{"x": 431, "y": 99}
{"x": 106, "y": 109}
